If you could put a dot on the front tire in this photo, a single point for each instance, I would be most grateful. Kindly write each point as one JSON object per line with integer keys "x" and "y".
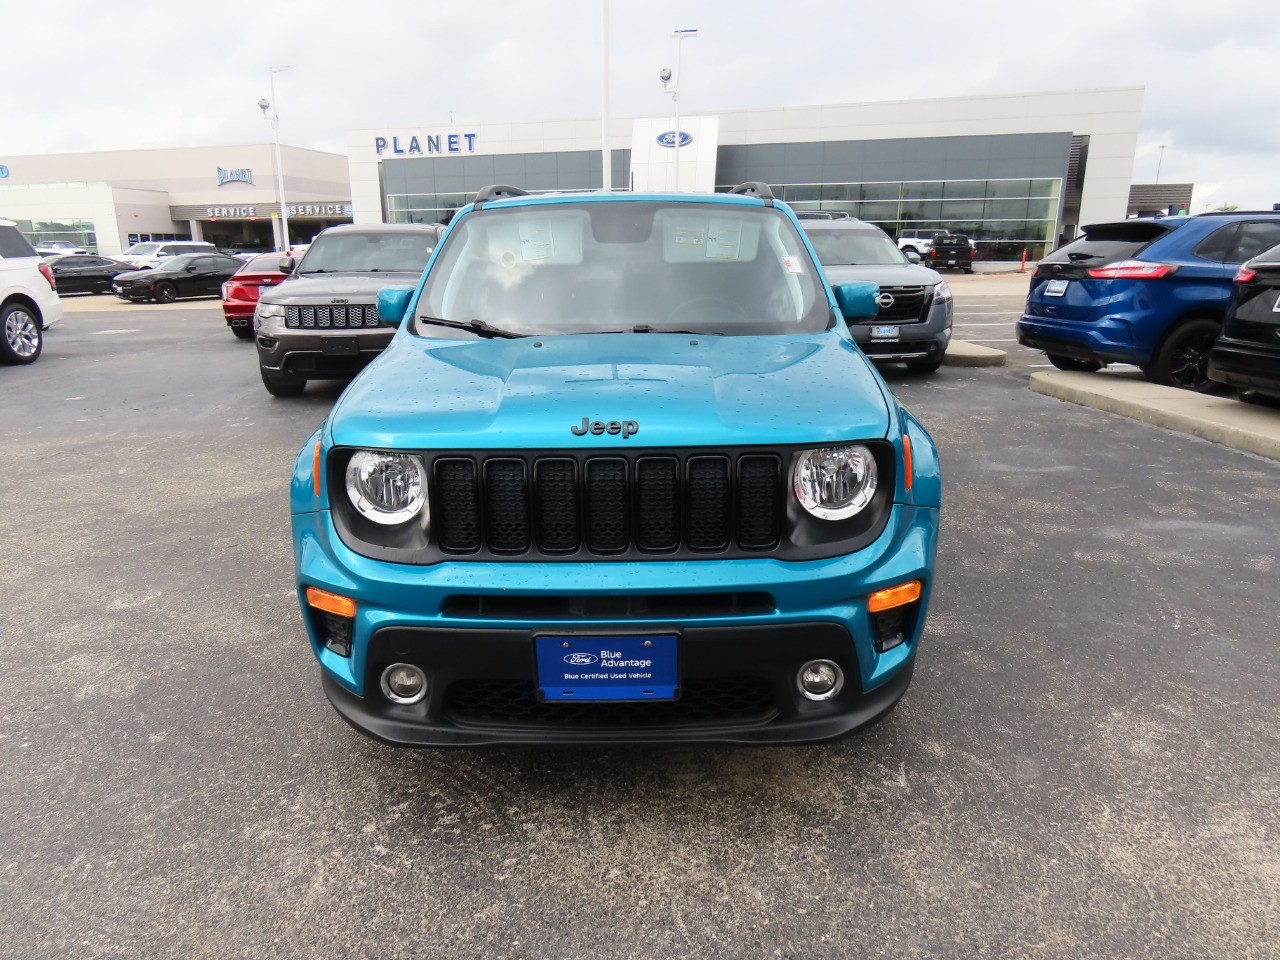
{"x": 924, "y": 366}
{"x": 1183, "y": 358}
{"x": 280, "y": 385}
{"x": 164, "y": 292}
{"x": 21, "y": 338}
{"x": 1071, "y": 363}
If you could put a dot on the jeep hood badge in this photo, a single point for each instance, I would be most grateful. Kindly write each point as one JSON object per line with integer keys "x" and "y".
{"x": 628, "y": 428}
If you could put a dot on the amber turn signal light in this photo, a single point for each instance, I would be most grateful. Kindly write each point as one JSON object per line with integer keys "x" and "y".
{"x": 907, "y": 470}
{"x": 315, "y": 468}
{"x": 891, "y": 597}
{"x": 330, "y": 602}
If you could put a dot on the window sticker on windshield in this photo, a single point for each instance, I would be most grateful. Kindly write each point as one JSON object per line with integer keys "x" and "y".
{"x": 535, "y": 241}
{"x": 724, "y": 239}
{"x": 792, "y": 264}
{"x": 690, "y": 236}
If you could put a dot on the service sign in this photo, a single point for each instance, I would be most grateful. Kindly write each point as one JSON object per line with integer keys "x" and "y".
{"x": 214, "y": 213}
{"x": 319, "y": 209}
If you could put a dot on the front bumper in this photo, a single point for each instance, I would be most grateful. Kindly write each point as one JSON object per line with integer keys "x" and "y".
{"x": 1246, "y": 365}
{"x": 738, "y": 669}
{"x": 915, "y": 341}
{"x": 312, "y": 355}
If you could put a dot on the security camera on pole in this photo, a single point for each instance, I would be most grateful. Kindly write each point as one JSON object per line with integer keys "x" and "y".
{"x": 665, "y": 76}
{"x": 264, "y": 105}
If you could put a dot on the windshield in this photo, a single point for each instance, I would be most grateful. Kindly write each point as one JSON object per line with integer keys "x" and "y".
{"x": 843, "y": 248}
{"x": 142, "y": 249}
{"x": 372, "y": 252}
{"x": 626, "y": 266}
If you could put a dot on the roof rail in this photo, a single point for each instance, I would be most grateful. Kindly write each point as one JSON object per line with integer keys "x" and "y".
{"x": 823, "y": 215}
{"x": 754, "y": 188}
{"x": 1232, "y": 213}
{"x": 497, "y": 191}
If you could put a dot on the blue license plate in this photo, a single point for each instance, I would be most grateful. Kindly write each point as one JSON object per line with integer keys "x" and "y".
{"x": 884, "y": 333}
{"x": 607, "y": 668}
{"x": 1055, "y": 288}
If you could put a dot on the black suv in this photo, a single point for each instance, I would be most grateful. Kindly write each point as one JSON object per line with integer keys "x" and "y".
{"x": 1247, "y": 355}
{"x": 322, "y": 322}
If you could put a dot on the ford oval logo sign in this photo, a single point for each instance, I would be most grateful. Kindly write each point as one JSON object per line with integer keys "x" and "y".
{"x": 581, "y": 659}
{"x": 4, "y": 171}
{"x": 668, "y": 139}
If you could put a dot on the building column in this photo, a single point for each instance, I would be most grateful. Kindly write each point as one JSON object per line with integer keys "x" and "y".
{"x": 197, "y": 229}
{"x": 277, "y": 235}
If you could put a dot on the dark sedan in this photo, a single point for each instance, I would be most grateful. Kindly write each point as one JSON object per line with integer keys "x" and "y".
{"x": 85, "y": 273}
{"x": 188, "y": 275}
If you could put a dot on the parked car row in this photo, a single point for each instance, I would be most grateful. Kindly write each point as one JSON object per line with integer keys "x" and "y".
{"x": 1156, "y": 292}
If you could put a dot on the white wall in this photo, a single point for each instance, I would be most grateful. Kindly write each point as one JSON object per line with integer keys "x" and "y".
{"x": 653, "y": 166}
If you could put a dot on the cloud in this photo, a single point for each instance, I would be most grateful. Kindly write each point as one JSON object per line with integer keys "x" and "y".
{"x": 163, "y": 74}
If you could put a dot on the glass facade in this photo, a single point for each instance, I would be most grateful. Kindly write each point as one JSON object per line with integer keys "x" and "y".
{"x": 77, "y": 231}
{"x": 1003, "y": 217}
{"x": 424, "y": 207}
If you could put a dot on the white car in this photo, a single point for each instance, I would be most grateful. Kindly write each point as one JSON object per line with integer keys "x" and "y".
{"x": 58, "y": 248}
{"x": 29, "y": 302}
{"x": 143, "y": 256}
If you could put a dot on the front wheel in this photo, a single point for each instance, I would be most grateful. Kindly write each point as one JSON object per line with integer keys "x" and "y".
{"x": 1071, "y": 363}
{"x": 924, "y": 366}
{"x": 279, "y": 385}
{"x": 21, "y": 338}
{"x": 1183, "y": 359}
{"x": 243, "y": 333}
{"x": 164, "y": 292}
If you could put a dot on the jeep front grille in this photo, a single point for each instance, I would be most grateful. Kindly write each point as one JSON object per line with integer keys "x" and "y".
{"x": 608, "y": 505}
{"x": 339, "y": 316}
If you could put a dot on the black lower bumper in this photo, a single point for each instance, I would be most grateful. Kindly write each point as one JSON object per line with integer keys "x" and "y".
{"x": 738, "y": 683}
{"x": 1245, "y": 365}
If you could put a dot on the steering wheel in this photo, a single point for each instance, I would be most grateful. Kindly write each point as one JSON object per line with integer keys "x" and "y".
{"x": 712, "y": 309}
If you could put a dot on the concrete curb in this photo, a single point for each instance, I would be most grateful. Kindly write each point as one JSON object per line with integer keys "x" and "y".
{"x": 1222, "y": 420}
{"x": 960, "y": 353}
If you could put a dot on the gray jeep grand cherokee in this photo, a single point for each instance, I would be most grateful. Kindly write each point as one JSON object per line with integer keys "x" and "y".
{"x": 322, "y": 322}
{"x": 914, "y": 322}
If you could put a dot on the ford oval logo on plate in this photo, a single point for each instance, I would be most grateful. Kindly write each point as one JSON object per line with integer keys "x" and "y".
{"x": 668, "y": 139}
{"x": 581, "y": 659}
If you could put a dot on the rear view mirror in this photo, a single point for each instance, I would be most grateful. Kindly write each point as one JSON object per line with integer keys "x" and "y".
{"x": 286, "y": 265}
{"x": 913, "y": 256}
{"x": 393, "y": 304}
{"x": 857, "y": 300}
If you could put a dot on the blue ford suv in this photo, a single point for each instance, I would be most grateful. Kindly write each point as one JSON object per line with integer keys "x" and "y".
{"x": 622, "y": 475}
{"x": 1150, "y": 291}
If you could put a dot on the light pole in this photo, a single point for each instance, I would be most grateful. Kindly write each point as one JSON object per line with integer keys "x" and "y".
{"x": 665, "y": 76}
{"x": 606, "y": 173}
{"x": 264, "y": 106}
{"x": 1160, "y": 161}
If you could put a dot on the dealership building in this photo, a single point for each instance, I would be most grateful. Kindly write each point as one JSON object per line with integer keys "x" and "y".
{"x": 1013, "y": 171}
{"x": 105, "y": 201}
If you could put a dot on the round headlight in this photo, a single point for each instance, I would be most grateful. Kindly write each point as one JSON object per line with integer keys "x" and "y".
{"x": 387, "y": 488}
{"x": 834, "y": 483}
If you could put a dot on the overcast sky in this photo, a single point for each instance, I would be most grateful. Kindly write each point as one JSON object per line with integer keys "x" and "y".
{"x": 88, "y": 76}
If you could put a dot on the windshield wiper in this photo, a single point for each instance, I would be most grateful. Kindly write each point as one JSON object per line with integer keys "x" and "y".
{"x": 1074, "y": 257}
{"x": 478, "y": 327}
{"x": 645, "y": 328}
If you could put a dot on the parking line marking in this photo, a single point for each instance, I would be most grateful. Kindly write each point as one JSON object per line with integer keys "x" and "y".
{"x": 968, "y": 340}
{"x": 107, "y": 333}
{"x": 1006, "y": 323}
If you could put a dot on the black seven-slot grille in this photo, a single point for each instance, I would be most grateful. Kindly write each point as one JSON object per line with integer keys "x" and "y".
{"x": 329, "y": 317}
{"x": 607, "y": 505}
{"x": 910, "y": 305}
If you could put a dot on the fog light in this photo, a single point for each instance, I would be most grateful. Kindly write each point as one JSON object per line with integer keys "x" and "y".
{"x": 404, "y": 683}
{"x": 820, "y": 679}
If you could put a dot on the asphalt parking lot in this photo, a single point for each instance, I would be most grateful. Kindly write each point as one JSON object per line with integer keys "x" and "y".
{"x": 1084, "y": 766}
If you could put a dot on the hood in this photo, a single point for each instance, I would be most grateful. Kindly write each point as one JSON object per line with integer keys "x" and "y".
{"x": 127, "y": 275}
{"x": 529, "y": 393}
{"x": 319, "y": 288}
{"x": 887, "y": 275}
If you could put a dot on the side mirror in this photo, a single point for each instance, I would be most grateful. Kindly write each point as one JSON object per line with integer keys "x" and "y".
{"x": 190, "y": 268}
{"x": 286, "y": 265}
{"x": 393, "y": 304}
{"x": 857, "y": 300}
{"x": 913, "y": 256}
